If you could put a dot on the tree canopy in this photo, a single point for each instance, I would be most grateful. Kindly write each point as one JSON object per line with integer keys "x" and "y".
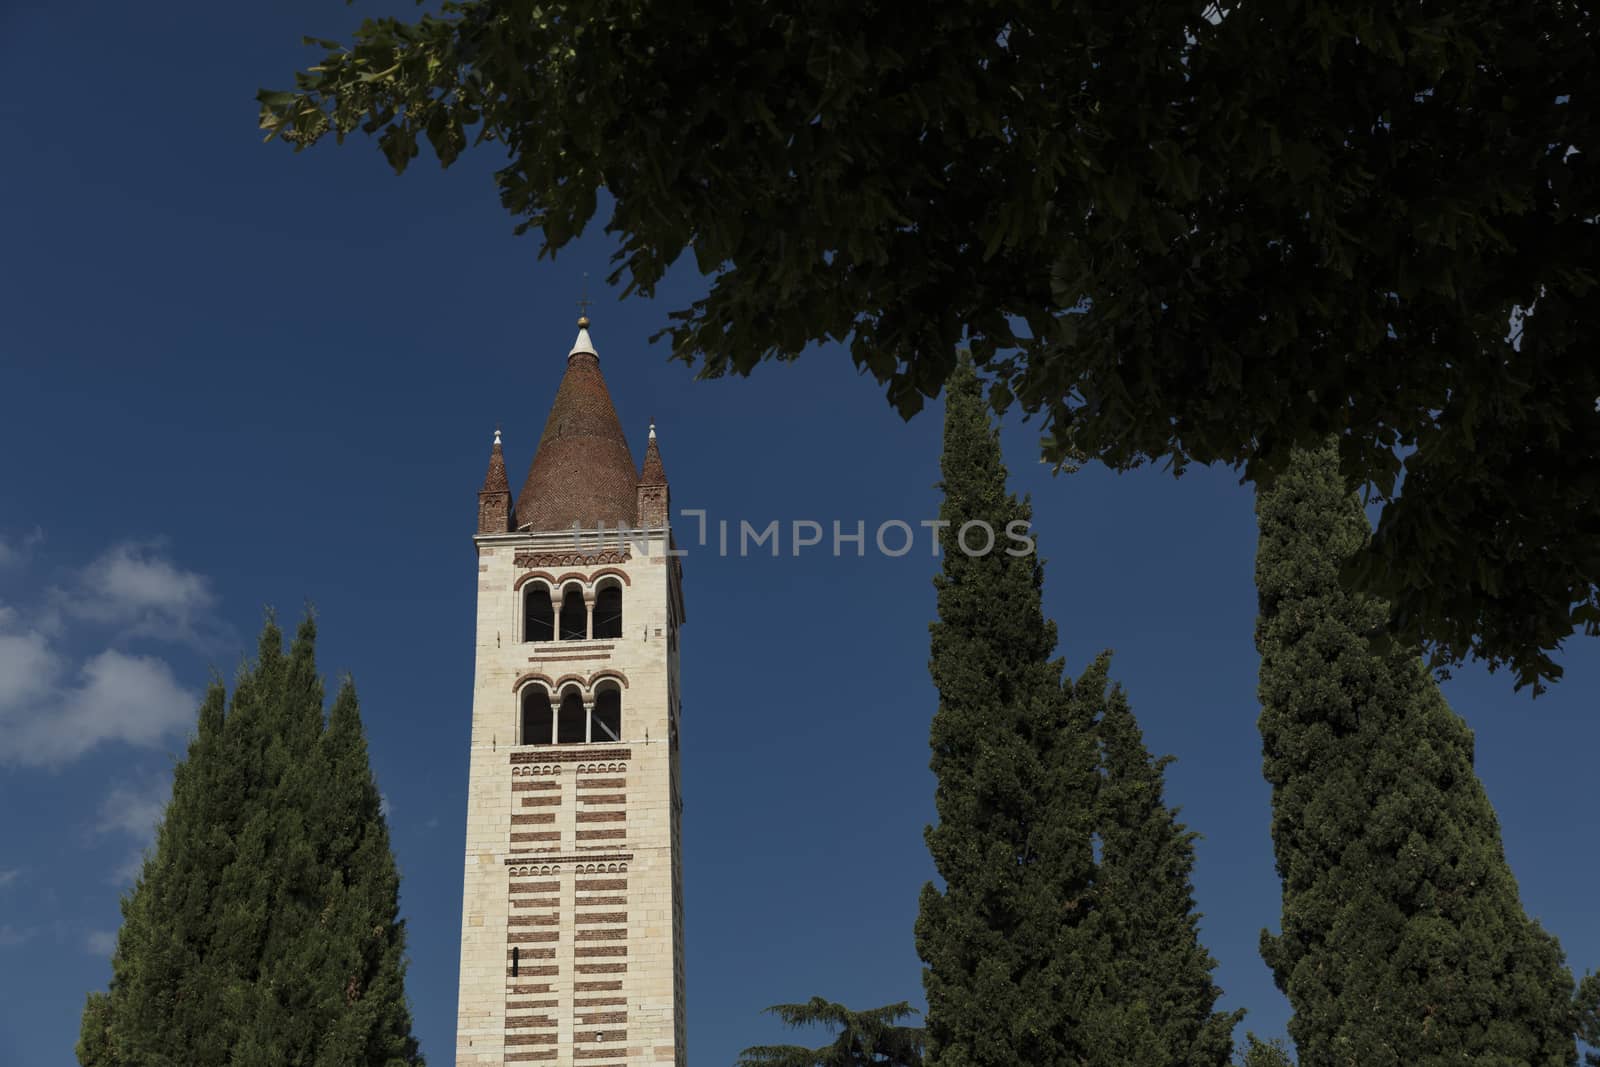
{"x": 1183, "y": 232}
{"x": 264, "y": 928}
{"x": 876, "y": 1037}
{"x": 1403, "y": 938}
{"x": 1158, "y": 1007}
{"x": 1014, "y": 967}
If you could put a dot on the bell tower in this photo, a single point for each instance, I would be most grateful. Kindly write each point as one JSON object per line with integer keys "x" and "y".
{"x": 572, "y": 906}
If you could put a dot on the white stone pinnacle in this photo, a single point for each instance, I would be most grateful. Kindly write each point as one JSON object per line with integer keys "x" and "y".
{"x": 583, "y": 344}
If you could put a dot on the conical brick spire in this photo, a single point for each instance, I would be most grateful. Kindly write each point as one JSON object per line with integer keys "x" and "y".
{"x": 654, "y": 473}
{"x": 494, "y": 499}
{"x": 583, "y": 472}
{"x": 653, "y": 497}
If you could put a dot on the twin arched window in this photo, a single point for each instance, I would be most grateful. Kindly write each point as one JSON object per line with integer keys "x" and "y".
{"x": 541, "y": 621}
{"x": 570, "y": 722}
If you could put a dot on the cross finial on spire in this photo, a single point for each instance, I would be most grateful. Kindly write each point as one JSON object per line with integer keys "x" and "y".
{"x": 652, "y": 429}
{"x": 497, "y": 435}
{"x": 584, "y": 302}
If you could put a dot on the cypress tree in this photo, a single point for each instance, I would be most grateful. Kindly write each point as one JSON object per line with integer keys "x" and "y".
{"x": 1159, "y": 997}
{"x": 158, "y": 980}
{"x": 263, "y": 929}
{"x": 1403, "y": 939}
{"x": 361, "y": 968}
{"x": 1010, "y": 963}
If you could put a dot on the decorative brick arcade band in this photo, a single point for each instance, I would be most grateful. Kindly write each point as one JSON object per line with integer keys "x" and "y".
{"x": 596, "y": 558}
{"x": 567, "y": 755}
{"x": 580, "y": 857}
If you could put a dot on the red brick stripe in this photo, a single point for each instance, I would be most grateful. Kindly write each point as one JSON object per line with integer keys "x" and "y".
{"x": 533, "y": 936}
{"x": 595, "y": 835}
{"x": 531, "y": 1039}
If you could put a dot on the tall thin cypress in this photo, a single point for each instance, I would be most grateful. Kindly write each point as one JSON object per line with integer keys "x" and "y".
{"x": 1009, "y": 963}
{"x": 1159, "y": 1004}
{"x": 264, "y": 928}
{"x": 1403, "y": 940}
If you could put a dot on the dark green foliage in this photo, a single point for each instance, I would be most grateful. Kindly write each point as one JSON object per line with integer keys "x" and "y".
{"x": 1588, "y": 1008}
{"x": 1403, "y": 943}
{"x": 1229, "y": 229}
{"x": 873, "y": 1038}
{"x": 1159, "y": 995}
{"x": 1010, "y": 959}
{"x": 1034, "y": 955}
{"x": 1258, "y": 1053}
{"x": 264, "y": 929}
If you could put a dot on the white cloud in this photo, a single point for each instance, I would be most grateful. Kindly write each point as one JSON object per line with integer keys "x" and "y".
{"x": 135, "y": 810}
{"x": 56, "y": 703}
{"x": 127, "y": 872}
{"x": 8, "y": 876}
{"x": 14, "y": 935}
{"x": 16, "y": 554}
{"x": 100, "y": 942}
{"x": 29, "y": 669}
{"x": 116, "y": 697}
{"x": 132, "y": 586}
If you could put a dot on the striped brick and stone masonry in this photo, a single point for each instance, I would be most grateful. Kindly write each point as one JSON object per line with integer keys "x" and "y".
{"x": 572, "y": 913}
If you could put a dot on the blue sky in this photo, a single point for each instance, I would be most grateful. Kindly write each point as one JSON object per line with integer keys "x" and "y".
{"x": 233, "y": 377}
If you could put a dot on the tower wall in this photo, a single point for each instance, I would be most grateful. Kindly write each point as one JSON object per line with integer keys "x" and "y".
{"x": 572, "y": 853}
